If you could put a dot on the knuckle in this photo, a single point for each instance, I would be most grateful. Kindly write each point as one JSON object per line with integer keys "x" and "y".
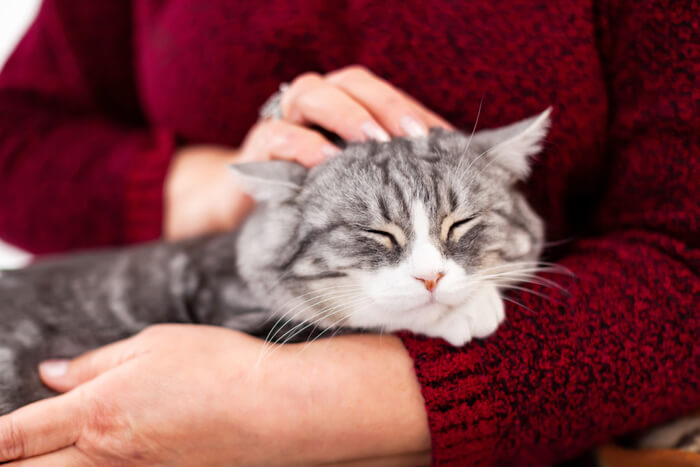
{"x": 298, "y": 92}
{"x": 107, "y": 430}
{"x": 316, "y": 140}
{"x": 12, "y": 440}
{"x": 101, "y": 418}
{"x": 396, "y": 104}
{"x": 265, "y": 129}
{"x": 265, "y": 132}
{"x": 276, "y": 127}
{"x": 354, "y": 72}
{"x": 305, "y": 79}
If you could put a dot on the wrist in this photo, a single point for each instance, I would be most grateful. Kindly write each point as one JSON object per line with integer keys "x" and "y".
{"x": 200, "y": 194}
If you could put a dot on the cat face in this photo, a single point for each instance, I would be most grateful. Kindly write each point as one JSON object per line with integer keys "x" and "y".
{"x": 408, "y": 234}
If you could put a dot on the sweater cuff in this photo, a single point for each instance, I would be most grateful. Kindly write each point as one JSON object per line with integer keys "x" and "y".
{"x": 458, "y": 395}
{"x": 144, "y": 190}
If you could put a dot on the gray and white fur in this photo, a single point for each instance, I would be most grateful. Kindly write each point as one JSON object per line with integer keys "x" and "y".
{"x": 419, "y": 234}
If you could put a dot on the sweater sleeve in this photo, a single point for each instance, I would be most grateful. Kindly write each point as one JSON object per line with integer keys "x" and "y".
{"x": 621, "y": 352}
{"x": 79, "y": 166}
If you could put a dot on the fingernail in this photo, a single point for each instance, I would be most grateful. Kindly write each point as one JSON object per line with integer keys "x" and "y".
{"x": 374, "y": 131}
{"x": 413, "y": 127}
{"x": 329, "y": 151}
{"x": 54, "y": 368}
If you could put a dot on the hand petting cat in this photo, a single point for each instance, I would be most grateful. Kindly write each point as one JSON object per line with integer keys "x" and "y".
{"x": 123, "y": 403}
{"x": 352, "y": 102}
{"x": 199, "y": 395}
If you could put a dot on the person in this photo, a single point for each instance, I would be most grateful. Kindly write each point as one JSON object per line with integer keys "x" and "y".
{"x": 117, "y": 118}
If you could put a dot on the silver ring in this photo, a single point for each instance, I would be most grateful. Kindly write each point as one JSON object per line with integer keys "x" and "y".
{"x": 272, "y": 108}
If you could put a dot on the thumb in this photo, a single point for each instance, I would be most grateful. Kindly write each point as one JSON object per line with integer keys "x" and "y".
{"x": 63, "y": 375}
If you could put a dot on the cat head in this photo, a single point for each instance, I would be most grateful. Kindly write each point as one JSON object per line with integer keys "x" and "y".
{"x": 393, "y": 235}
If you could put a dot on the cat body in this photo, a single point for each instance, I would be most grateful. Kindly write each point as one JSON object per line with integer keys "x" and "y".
{"x": 416, "y": 234}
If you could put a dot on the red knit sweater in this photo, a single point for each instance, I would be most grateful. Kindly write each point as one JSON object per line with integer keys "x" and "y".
{"x": 99, "y": 93}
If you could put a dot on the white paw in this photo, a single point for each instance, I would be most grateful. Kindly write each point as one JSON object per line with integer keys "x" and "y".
{"x": 479, "y": 317}
{"x": 454, "y": 328}
{"x": 485, "y": 312}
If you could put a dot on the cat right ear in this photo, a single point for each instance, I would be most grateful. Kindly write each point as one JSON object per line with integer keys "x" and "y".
{"x": 513, "y": 146}
{"x": 270, "y": 180}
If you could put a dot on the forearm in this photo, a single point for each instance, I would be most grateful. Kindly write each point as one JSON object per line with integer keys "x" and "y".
{"x": 358, "y": 400}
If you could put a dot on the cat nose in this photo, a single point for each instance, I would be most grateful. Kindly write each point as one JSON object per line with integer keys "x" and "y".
{"x": 430, "y": 283}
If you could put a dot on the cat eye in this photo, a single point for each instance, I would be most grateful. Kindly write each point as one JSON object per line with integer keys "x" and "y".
{"x": 386, "y": 238}
{"x": 456, "y": 225}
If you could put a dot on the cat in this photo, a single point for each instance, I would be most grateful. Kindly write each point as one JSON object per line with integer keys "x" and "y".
{"x": 418, "y": 234}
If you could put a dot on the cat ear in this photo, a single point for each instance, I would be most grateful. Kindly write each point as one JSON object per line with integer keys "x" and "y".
{"x": 513, "y": 145}
{"x": 270, "y": 180}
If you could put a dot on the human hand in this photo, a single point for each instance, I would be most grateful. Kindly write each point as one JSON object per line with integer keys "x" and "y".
{"x": 193, "y": 395}
{"x": 200, "y": 195}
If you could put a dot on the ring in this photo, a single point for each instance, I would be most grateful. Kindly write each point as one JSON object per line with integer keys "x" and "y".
{"x": 272, "y": 108}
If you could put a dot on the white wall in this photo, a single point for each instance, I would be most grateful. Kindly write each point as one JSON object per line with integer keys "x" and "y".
{"x": 15, "y": 17}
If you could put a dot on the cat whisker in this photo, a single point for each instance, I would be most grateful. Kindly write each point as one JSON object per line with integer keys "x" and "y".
{"x": 508, "y": 279}
{"x": 476, "y": 122}
{"x": 305, "y": 305}
{"x": 527, "y": 267}
{"x": 320, "y": 315}
{"x": 335, "y": 325}
{"x": 318, "y": 294}
{"x": 324, "y": 314}
{"x": 563, "y": 241}
{"x": 340, "y": 307}
{"x": 471, "y": 136}
{"x": 479, "y": 173}
{"x": 538, "y": 265}
{"x": 515, "y": 302}
{"x": 533, "y": 292}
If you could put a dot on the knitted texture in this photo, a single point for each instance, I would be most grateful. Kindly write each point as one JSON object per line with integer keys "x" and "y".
{"x": 97, "y": 94}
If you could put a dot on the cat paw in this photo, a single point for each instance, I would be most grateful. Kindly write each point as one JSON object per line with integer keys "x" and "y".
{"x": 485, "y": 312}
{"x": 479, "y": 317}
{"x": 454, "y": 328}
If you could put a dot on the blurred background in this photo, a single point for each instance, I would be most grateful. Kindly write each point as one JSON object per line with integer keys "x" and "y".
{"x": 15, "y": 17}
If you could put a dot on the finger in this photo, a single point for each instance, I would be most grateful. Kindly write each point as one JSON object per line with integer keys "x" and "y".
{"x": 399, "y": 113}
{"x": 67, "y": 457}
{"x": 64, "y": 375}
{"x": 41, "y": 427}
{"x": 278, "y": 139}
{"x": 310, "y": 99}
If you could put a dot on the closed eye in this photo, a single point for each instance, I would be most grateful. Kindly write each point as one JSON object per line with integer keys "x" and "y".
{"x": 385, "y": 238}
{"x": 460, "y": 223}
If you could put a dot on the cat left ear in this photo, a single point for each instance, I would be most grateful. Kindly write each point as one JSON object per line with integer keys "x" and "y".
{"x": 513, "y": 145}
{"x": 270, "y": 180}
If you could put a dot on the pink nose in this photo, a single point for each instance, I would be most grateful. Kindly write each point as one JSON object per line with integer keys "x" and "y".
{"x": 430, "y": 284}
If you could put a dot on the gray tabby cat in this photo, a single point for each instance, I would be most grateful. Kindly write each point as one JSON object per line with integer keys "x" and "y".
{"x": 417, "y": 234}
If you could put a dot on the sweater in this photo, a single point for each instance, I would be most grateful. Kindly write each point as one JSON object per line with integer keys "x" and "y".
{"x": 98, "y": 95}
